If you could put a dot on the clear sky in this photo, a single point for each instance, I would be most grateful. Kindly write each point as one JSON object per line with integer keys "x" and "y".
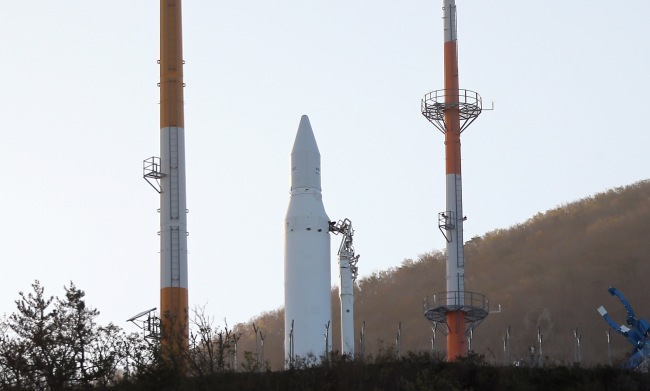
{"x": 79, "y": 99}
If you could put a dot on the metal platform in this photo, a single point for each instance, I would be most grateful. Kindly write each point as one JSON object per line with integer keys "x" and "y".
{"x": 468, "y": 103}
{"x": 475, "y": 306}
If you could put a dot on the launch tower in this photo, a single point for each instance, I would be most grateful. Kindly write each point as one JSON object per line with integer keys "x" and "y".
{"x": 347, "y": 276}
{"x": 452, "y": 110}
{"x": 167, "y": 175}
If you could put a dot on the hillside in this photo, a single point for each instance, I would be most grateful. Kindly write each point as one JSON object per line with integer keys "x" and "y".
{"x": 550, "y": 272}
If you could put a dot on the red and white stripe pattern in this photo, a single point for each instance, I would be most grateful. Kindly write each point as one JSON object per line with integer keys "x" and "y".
{"x": 455, "y": 255}
{"x": 173, "y": 210}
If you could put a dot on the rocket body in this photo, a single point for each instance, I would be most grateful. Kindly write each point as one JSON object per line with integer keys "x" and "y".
{"x": 307, "y": 276}
{"x": 173, "y": 209}
{"x": 455, "y": 252}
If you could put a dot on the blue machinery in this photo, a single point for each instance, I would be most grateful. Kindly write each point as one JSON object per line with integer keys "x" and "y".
{"x": 636, "y": 331}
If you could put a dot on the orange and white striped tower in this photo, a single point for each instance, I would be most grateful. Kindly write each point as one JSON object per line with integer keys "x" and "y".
{"x": 451, "y": 110}
{"x": 173, "y": 210}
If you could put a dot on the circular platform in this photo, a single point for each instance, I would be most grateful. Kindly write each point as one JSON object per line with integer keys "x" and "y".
{"x": 475, "y": 306}
{"x": 468, "y": 103}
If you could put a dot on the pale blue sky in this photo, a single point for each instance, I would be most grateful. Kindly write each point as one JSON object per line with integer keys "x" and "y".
{"x": 569, "y": 81}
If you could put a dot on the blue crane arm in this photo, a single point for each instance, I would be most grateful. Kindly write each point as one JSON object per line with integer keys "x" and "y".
{"x": 621, "y": 329}
{"x": 636, "y": 334}
{"x": 631, "y": 319}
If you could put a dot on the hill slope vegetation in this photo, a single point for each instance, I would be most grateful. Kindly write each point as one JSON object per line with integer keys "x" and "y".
{"x": 549, "y": 273}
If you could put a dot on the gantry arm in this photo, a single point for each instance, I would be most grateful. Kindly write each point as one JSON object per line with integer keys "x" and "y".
{"x": 631, "y": 319}
{"x": 621, "y": 329}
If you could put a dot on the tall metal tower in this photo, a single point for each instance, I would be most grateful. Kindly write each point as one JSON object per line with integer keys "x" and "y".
{"x": 348, "y": 271}
{"x": 452, "y": 110}
{"x": 167, "y": 175}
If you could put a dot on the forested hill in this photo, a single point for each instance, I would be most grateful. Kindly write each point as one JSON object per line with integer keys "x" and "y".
{"x": 549, "y": 273}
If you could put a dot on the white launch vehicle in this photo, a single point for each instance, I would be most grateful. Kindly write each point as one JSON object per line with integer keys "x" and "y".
{"x": 307, "y": 275}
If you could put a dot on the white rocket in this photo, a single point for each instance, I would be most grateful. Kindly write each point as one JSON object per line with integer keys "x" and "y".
{"x": 307, "y": 279}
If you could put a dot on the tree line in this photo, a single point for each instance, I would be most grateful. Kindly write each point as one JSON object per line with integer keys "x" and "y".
{"x": 55, "y": 343}
{"x": 51, "y": 343}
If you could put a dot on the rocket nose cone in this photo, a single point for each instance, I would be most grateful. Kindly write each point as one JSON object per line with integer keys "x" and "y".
{"x": 305, "y": 140}
{"x": 305, "y": 158}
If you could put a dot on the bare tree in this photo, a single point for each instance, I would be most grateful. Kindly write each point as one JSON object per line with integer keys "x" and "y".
{"x": 212, "y": 349}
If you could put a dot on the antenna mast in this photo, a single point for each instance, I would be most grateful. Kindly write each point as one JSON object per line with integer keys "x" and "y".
{"x": 452, "y": 110}
{"x": 166, "y": 174}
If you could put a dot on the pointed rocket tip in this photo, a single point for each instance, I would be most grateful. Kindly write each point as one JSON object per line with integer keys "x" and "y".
{"x": 304, "y": 123}
{"x": 305, "y": 158}
{"x": 305, "y": 140}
